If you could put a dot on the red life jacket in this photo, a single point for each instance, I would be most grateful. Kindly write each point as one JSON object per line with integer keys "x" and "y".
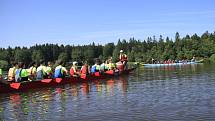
{"x": 71, "y": 71}
{"x": 84, "y": 70}
{"x": 123, "y": 57}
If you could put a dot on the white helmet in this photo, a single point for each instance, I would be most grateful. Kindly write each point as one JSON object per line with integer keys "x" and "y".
{"x": 121, "y": 51}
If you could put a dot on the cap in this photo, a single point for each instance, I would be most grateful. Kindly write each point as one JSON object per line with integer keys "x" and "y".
{"x": 121, "y": 51}
{"x": 75, "y": 62}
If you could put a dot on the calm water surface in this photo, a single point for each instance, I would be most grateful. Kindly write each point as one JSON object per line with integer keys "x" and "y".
{"x": 165, "y": 93}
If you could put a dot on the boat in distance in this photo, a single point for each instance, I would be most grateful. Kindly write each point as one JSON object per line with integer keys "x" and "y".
{"x": 169, "y": 64}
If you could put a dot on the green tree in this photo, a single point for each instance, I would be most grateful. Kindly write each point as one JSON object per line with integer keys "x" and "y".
{"x": 63, "y": 56}
{"x": 3, "y": 64}
{"x": 23, "y": 55}
{"x": 37, "y": 55}
{"x": 108, "y": 50}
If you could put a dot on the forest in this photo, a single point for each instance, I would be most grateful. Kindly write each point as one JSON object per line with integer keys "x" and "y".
{"x": 160, "y": 48}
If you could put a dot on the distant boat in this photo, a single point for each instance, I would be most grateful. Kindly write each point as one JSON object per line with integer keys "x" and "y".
{"x": 170, "y": 64}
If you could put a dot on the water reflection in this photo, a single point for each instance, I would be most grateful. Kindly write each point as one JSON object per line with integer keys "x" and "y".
{"x": 166, "y": 93}
{"x": 41, "y": 104}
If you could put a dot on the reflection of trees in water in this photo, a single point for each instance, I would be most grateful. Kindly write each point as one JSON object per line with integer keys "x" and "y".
{"x": 169, "y": 72}
{"x": 25, "y": 106}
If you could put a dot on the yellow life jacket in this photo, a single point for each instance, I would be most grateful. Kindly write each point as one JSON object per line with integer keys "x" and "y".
{"x": 11, "y": 73}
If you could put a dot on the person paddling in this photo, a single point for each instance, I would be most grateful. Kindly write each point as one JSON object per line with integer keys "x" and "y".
{"x": 104, "y": 66}
{"x": 111, "y": 65}
{"x": 123, "y": 58}
{"x": 74, "y": 70}
{"x": 96, "y": 67}
{"x": 85, "y": 69}
{"x": 21, "y": 73}
{"x": 41, "y": 70}
{"x": 49, "y": 70}
{"x": 12, "y": 71}
{"x": 32, "y": 70}
{"x": 60, "y": 71}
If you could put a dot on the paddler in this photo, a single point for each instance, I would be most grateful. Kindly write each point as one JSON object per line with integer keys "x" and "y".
{"x": 85, "y": 69}
{"x": 32, "y": 70}
{"x": 74, "y": 69}
{"x": 123, "y": 58}
{"x": 111, "y": 65}
{"x": 12, "y": 71}
{"x": 49, "y": 70}
{"x": 60, "y": 71}
{"x": 21, "y": 73}
{"x": 41, "y": 70}
{"x": 96, "y": 67}
{"x": 104, "y": 66}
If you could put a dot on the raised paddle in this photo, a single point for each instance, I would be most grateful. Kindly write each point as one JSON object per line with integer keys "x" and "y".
{"x": 46, "y": 80}
{"x": 15, "y": 85}
{"x": 58, "y": 80}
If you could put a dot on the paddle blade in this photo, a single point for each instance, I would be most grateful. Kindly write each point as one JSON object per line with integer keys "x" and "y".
{"x": 110, "y": 72}
{"x": 83, "y": 76}
{"x": 46, "y": 80}
{"x": 15, "y": 85}
{"x": 97, "y": 74}
{"x": 58, "y": 80}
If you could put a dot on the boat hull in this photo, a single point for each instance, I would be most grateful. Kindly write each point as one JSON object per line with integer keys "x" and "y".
{"x": 16, "y": 87}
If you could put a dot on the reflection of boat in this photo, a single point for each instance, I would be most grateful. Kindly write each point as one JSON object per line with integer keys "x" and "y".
{"x": 11, "y": 87}
{"x": 169, "y": 64}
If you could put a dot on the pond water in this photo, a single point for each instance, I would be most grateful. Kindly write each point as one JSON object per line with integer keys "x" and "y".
{"x": 162, "y": 93}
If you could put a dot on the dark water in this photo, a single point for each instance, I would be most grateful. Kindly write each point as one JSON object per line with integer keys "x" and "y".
{"x": 166, "y": 93}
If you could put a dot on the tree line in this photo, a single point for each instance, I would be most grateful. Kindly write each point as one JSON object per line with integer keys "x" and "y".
{"x": 140, "y": 51}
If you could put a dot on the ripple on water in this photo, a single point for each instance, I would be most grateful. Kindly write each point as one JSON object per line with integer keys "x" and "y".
{"x": 167, "y": 93}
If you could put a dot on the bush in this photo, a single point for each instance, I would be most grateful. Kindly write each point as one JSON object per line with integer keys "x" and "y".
{"x": 3, "y": 64}
{"x": 212, "y": 58}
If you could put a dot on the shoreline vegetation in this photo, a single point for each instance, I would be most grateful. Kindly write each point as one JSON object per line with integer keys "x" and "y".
{"x": 138, "y": 51}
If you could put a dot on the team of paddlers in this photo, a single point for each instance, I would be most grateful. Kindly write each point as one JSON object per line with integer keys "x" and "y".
{"x": 41, "y": 71}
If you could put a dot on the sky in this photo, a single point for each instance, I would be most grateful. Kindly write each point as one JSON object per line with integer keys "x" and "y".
{"x": 79, "y": 22}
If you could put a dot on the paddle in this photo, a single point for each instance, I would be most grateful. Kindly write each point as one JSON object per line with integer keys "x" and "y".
{"x": 15, "y": 85}
{"x": 97, "y": 74}
{"x": 83, "y": 76}
{"x": 58, "y": 80}
{"x": 111, "y": 72}
{"x": 46, "y": 80}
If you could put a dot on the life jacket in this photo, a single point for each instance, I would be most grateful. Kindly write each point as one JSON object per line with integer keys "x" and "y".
{"x": 58, "y": 73}
{"x": 84, "y": 70}
{"x": 93, "y": 69}
{"x": 72, "y": 71}
{"x": 49, "y": 71}
{"x": 32, "y": 70}
{"x": 18, "y": 77}
{"x": 123, "y": 57}
{"x": 11, "y": 73}
{"x": 41, "y": 74}
{"x": 111, "y": 66}
{"x": 98, "y": 68}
